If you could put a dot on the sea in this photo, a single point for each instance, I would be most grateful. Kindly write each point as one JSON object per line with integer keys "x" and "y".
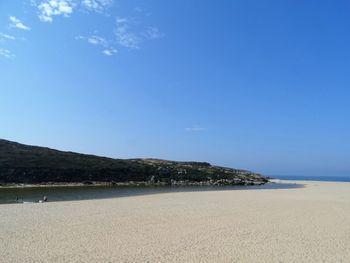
{"x": 313, "y": 178}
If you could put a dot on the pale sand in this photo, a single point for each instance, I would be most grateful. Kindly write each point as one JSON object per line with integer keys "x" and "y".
{"x": 310, "y": 224}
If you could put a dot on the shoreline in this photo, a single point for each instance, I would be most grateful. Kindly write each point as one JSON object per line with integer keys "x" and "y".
{"x": 54, "y": 193}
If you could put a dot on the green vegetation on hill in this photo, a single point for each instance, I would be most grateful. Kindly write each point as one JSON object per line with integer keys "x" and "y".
{"x": 34, "y": 165}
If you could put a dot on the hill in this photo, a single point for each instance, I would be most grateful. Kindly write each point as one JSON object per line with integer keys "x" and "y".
{"x": 24, "y": 164}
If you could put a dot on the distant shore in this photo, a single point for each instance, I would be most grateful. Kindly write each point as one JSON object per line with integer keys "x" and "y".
{"x": 307, "y": 224}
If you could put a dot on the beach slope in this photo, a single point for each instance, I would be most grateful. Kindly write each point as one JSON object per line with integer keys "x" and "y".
{"x": 309, "y": 224}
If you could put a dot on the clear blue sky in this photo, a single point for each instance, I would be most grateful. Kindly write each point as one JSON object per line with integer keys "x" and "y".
{"x": 260, "y": 85}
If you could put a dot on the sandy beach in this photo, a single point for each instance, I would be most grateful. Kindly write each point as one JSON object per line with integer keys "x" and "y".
{"x": 310, "y": 224}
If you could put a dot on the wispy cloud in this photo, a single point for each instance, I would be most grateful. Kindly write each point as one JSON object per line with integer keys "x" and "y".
{"x": 96, "y": 40}
{"x": 50, "y": 8}
{"x": 195, "y": 128}
{"x": 124, "y": 34}
{"x": 97, "y": 5}
{"x": 153, "y": 33}
{"x": 138, "y": 9}
{"x": 15, "y": 22}
{"x": 6, "y": 53}
{"x": 6, "y": 37}
{"x": 129, "y": 34}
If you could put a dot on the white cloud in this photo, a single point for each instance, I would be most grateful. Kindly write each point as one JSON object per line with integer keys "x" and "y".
{"x": 50, "y": 8}
{"x": 6, "y": 53}
{"x": 94, "y": 40}
{"x": 15, "y": 22}
{"x": 96, "y": 5}
{"x": 6, "y": 37}
{"x": 110, "y": 52}
{"x": 195, "y": 128}
{"x": 97, "y": 40}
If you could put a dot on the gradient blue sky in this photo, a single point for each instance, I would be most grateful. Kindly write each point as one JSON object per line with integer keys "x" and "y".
{"x": 260, "y": 85}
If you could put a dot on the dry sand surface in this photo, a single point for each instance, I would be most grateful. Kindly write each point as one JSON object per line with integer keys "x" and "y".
{"x": 310, "y": 224}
